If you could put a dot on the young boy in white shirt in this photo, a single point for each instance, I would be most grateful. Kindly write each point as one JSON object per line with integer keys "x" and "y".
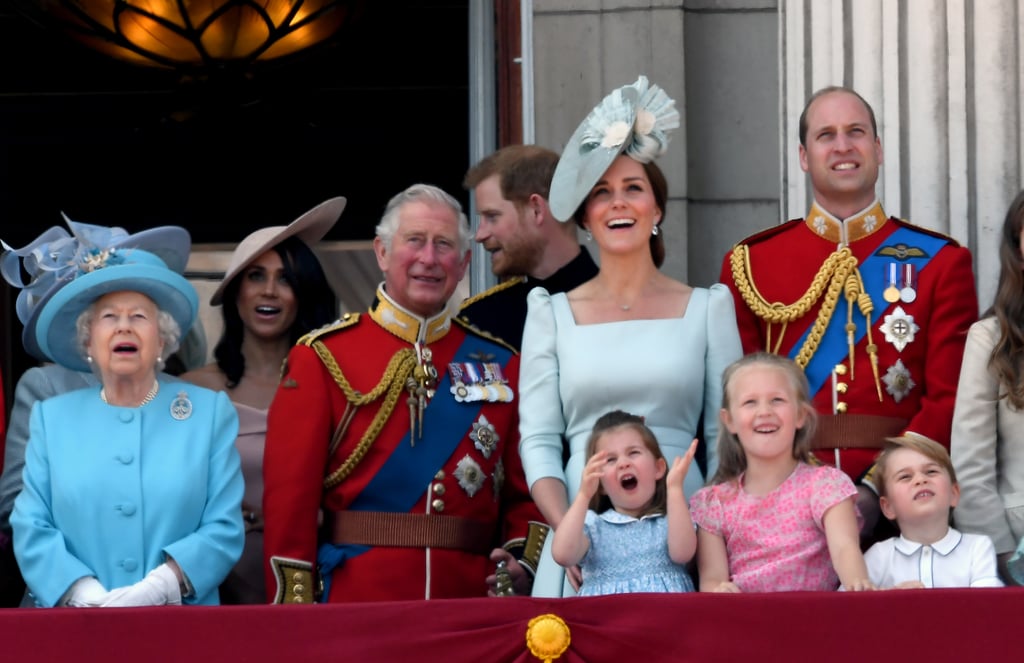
{"x": 919, "y": 490}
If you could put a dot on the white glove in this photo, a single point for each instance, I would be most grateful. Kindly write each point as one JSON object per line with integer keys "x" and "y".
{"x": 86, "y": 592}
{"x": 160, "y": 587}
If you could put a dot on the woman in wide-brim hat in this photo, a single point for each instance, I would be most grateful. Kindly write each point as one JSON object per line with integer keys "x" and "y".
{"x": 48, "y": 262}
{"x": 132, "y": 488}
{"x": 662, "y": 344}
{"x": 273, "y": 292}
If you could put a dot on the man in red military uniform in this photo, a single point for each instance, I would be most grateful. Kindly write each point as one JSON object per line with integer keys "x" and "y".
{"x": 400, "y": 427}
{"x": 874, "y": 309}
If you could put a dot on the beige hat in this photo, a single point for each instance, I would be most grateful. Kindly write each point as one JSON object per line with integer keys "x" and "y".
{"x": 310, "y": 228}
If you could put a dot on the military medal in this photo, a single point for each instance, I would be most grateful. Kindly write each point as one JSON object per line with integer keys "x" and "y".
{"x": 898, "y": 381}
{"x": 908, "y": 293}
{"x": 899, "y": 328}
{"x": 470, "y": 475}
{"x": 458, "y": 388}
{"x": 477, "y": 390}
{"x": 497, "y": 384}
{"x": 892, "y": 293}
{"x": 484, "y": 437}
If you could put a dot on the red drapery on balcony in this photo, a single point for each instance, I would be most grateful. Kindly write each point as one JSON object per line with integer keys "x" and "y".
{"x": 932, "y": 625}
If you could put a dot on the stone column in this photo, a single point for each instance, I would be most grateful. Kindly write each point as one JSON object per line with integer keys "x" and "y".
{"x": 944, "y": 79}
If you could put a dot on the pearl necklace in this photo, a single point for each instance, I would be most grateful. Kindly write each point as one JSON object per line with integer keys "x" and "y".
{"x": 149, "y": 396}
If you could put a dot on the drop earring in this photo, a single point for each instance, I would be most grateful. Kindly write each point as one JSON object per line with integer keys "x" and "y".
{"x": 590, "y": 236}
{"x": 655, "y": 231}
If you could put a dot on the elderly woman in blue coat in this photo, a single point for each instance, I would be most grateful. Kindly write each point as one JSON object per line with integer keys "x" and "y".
{"x": 132, "y": 487}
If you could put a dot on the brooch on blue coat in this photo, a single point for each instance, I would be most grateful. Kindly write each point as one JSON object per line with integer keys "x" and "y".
{"x": 181, "y": 407}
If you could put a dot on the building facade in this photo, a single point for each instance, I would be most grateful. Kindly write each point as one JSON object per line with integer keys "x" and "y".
{"x": 944, "y": 77}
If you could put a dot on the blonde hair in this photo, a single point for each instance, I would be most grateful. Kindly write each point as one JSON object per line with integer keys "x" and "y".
{"x": 616, "y": 420}
{"x": 732, "y": 461}
{"x": 925, "y": 446}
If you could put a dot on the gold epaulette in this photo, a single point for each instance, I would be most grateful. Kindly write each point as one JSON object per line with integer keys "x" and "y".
{"x": 344, "y": 322}
{"x": 476, "y": 331}
{"x": 504, "y": 285}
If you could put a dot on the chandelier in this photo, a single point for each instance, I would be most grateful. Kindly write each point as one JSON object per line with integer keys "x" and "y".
{"x": 200, "y": 35}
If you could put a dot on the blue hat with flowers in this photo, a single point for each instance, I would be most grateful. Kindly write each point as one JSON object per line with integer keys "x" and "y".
{"x": 635, "y": 120}
{"x": 58, "y": 259}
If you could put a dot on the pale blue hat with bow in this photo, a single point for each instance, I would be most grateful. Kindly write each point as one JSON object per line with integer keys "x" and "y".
{"x": 635, "y": 120}
{"x": 58, "y": 258}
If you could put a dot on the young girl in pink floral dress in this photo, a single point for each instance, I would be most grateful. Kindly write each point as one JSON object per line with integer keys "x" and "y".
{"x": 771, "y": 521}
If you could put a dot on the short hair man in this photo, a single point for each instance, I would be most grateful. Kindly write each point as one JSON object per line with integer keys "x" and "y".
{"x": 529, "y": 248}
{"x": 875, "y": 309}
{"x": 400, "y": 425}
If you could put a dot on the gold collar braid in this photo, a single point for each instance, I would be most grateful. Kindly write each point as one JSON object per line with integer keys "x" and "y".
{"x": 405, "y": 324}
{"x": 838, "y": 274}
{"x": 399, "y": 369}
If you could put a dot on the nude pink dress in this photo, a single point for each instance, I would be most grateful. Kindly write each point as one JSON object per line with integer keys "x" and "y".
{"x": 776, "y": 542}
{"x": 245, "y": 583}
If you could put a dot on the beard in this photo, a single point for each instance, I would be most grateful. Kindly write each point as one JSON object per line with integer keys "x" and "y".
{"x": 518, "y": 257}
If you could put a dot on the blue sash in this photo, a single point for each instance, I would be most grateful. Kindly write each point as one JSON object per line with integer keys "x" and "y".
{"x": 400, "y": 482}
{"x": 834, "y": 348}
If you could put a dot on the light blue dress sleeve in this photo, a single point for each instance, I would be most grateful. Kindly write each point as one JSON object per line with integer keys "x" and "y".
{"x": 207, "y": 555}
{"x": 724, "y": 348}
{"x": 541, "y": 418}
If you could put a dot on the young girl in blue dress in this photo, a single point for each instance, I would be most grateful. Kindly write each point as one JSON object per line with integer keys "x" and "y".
{"x": 629, "y": 527}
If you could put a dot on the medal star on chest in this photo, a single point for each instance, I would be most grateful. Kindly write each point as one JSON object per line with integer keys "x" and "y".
{"x": 484, "y": 436}
{"x": 899, "y": 328}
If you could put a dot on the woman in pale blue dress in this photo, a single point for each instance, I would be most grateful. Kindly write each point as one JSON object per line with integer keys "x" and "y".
{"x": 631, "y": 338}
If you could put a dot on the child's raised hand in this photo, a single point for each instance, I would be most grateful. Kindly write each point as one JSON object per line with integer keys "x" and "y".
{"x": 680, "y": 466}
{"x": 592, "y": 473}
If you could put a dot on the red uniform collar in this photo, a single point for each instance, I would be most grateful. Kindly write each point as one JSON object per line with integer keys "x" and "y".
{"x": 843, "y": 232}
{"x": 407, "y": 325}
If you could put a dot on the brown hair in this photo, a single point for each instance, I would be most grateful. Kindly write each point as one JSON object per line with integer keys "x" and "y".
{"x": 615, "y": 420}
{"x": 732, "y": 461}
{"x": 829, "y": 90}
{"x": 522, "y": 170}
{"x": 659, "y": 187}
{"x": 1007, "y": 359}
{"x": 925, "y": 446}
